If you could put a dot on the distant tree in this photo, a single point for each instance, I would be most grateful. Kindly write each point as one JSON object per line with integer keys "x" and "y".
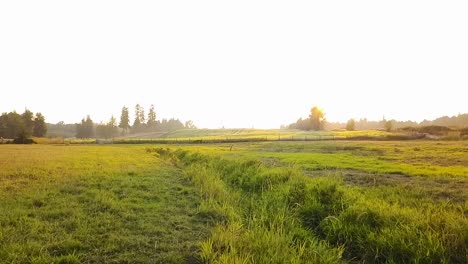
{"x": 80, "y": 129}
{"x": 3, "y": 124}
{"x": 317, "y": 118}
{"x": 139, "y": 122}
{"x": 170, "y": 125}
{"x": 189, "y": 124}
{"x": 351, "y": 125}
{"x": 108, "y": 130}
{"x": 18, "y": 127}
{"x": 113, "y": 129}
{"x": 28, "y": 125}
{"x": 136, "y": 125}
{"x": 89, "y": 127}
{"x": 101, "y": 130}
{"x": 302, "y": 124}
{"x": 124, "y": 120}
{"x": 61, "y": 129}
{"x": 40, "y": 126}
{"x": 14, "y": 125}
{"x": 151, "y": 123}
{"x": 141, "y": 114}
{"x": 389, "y": 125}
{"x": 85, "y": 129}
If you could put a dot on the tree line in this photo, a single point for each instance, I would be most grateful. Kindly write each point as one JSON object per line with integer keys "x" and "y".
{"x": 317, "y": 121}
{"x": 21, "y": 127}
{"x": 142, "y": 123}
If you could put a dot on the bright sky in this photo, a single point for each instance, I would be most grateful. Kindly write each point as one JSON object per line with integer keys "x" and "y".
{"x": 235, "y": 63}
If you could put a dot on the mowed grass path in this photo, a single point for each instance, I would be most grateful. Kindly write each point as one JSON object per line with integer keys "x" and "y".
{"x": 95, "y": 204}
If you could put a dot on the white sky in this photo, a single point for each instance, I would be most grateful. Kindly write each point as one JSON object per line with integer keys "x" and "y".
{"x": 237, "y": 63}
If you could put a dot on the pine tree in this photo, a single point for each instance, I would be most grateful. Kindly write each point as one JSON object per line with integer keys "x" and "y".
{"x": 124, "y": 120}
{"x": 151, "y": 118}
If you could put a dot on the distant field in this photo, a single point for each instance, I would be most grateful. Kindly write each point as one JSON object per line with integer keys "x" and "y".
{"x": 264, "y": 202}
{"x": 272, "y": 133}
{"x": 257, "y": 135}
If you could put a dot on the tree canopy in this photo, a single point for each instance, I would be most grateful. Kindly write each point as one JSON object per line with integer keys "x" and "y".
{"x": 22, "y": 126}
{"x": 85, "y": 129}
{"x": 315, "y": 121}
{"x": 124, "y": 120}
{"x": 351, "y": 125}
{"x": 317, "y": 118}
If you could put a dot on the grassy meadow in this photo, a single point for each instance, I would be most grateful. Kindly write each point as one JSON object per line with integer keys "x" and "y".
{"x": 263, "y": 202}
{"x": 238, "y": 135}
{"x": 95, "y": 204}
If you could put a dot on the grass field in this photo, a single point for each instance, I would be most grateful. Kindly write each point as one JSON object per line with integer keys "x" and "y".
{"x": 268, "y": 202}
{"x": 264, "y": 134}
{"x": 74, "y": 204}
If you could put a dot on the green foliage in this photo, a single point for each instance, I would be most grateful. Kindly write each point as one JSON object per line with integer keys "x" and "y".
{"x": 139, "y": 122}
{"x": 85, "y": 129}
{"x": 22, "y": 127}
{"x": 317, "y": 118}
{"x": 13, "y": 125}
{"x": 23, "y": 140}
{"x": 151, "y": 118}
{"x": 28, "y": 124}
{"x": 124, "y": 119}
{"x": 40, "y": 126}
{"x": 190, "y": 125}
{"x": 108, "y": 130}
{"x": 316, "y": 121}
{"x": 351, "y": 125}
{"x": 388, "y": 125}
{"x": 433, "y": 130}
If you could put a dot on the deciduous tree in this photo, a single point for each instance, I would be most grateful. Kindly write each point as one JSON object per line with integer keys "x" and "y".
{"x": 317, "y": 118}
{"x": 351, "y": 125}
{"x": 40, "y": 126}
{"x": 85, "y": 129}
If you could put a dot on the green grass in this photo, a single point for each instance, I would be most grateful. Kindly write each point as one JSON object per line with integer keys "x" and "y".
{"x": 332, "y": 202}
{"x": 74, "y": 204}
{"x": 264, "y": 202}
{"x": 414, "y": 158}
{"x": 217, "y": 136}
{"x": 270, "y": 134}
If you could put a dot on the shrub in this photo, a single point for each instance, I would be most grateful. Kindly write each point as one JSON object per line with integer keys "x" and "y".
{"x": 23, "y": 141}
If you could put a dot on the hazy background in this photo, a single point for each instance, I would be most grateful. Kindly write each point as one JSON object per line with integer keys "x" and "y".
{"x": 236, "y": 64}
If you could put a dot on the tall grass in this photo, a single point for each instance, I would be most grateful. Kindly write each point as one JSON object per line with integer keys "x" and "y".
{"x": 275, "y": 214}
{"x": 248, "y": 206}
